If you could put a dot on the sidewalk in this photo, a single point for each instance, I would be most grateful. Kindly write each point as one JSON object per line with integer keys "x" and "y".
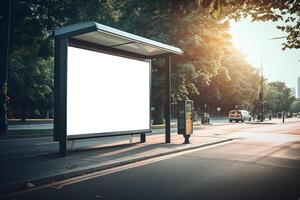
{"x": 275, "y": 121}
{"x": 29, "y": 171}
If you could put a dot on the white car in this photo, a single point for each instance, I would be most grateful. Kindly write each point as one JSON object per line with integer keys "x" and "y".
{"x": 239, "y": 115}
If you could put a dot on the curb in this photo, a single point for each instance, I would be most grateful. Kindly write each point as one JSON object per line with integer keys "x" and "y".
{"x": 221, "y": 124}
{"x": 262, "y": 123}
{"x": 17, "y": 187}
{"x": 291, "y": 121}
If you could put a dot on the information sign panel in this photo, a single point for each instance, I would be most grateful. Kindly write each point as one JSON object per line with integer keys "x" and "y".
{"x": 185, "y": 117}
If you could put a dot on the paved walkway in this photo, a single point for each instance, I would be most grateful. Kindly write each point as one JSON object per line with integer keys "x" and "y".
{"x": 275, "y": 121}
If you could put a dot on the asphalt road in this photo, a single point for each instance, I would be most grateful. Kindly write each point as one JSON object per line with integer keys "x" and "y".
{"x": 30, "y": 126}
{"x": 47, "y": 125}
{"x": 262, "y": 163}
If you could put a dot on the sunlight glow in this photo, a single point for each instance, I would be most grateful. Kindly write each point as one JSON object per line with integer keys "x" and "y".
{"x": 254, "y": 40}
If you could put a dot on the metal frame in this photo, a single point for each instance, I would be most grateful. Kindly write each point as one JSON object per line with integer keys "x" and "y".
{"x": 66, "y": 36}
{"x": 60, "y": 120}
{"x": 101, "y": 49}
{"x": 60, "y": 94}
{"x": 108, "y": 134}
{"x": 168, "y": 99}
{"x": 87, "y": 27}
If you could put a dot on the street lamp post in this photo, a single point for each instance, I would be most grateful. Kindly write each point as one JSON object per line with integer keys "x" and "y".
{"x": 261, "y": 95}
{"x": 5, "y": 8}
{"x": 204, "y": 115}
{"x": 276, "y": 38}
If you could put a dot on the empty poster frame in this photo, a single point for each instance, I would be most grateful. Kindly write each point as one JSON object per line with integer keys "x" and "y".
{"x": 61, "y": 89}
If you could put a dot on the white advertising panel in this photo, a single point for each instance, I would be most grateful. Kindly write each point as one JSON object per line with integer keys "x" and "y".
{"x": 106, "y": 93}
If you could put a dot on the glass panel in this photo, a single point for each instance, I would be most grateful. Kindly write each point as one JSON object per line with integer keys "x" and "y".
{"x": 102, "y": 39}
{"x": 141, "y": 49}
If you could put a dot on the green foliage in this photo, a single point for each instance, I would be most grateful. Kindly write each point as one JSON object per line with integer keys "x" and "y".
{"x": 288, "y": 11}
{"x": 211, "y": 71}
{"x": 236, "y": 83}
{"x": 30, "y": 80}
{"x": 187, "y": 25}
{"x": 295, "y": 107}
{"x": 31, "y": 85}
{"x": 278, "y": 97}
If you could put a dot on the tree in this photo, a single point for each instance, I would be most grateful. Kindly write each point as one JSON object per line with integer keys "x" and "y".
{"x": 31, "y": 86}
{"x": 278, "y": 97}
{"x": 188, "y": 26}
{"x": 5, "y": 9}
{"x": 205, "y": 40}
{"x": 30, "y": 80}
{"x": 295, "y": 107}
{"x": 236, "y": 83}
{"x": 285, "y": 10}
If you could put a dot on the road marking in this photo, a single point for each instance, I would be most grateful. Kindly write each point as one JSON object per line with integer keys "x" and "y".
{"x": 77, "y": 179}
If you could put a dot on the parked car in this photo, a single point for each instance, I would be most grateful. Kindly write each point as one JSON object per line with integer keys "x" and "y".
{"x": 289, "y": 115}
{"x": 239, "y": 115}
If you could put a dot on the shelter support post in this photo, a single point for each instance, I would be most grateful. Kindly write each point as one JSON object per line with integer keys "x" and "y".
{"x": 60, "y": 94}
{"x": 168, "y": 99}
{"x": 62, "y": 148}
{"x": 143, "y": 137}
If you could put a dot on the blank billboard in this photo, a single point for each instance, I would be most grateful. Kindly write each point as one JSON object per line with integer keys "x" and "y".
{"x": 106, "y": 93}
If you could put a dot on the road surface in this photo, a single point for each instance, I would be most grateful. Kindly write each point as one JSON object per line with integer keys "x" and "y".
{"x": 49, "y": 125}
{"x": 262, "y": 163}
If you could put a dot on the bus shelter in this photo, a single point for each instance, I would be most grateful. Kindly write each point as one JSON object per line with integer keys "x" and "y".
{"x": 103, "y": 83}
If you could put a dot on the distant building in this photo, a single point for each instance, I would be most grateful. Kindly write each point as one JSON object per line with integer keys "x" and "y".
{"x": 293, "y": 91}
{"x": 298, "y": 87}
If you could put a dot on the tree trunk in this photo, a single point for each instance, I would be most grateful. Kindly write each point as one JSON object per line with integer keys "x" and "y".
{"x": 158, "y": 112}
{"x": 23, "y": 113}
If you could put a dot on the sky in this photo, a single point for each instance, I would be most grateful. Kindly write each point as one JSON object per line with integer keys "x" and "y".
{"x": 254, "y": 40}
